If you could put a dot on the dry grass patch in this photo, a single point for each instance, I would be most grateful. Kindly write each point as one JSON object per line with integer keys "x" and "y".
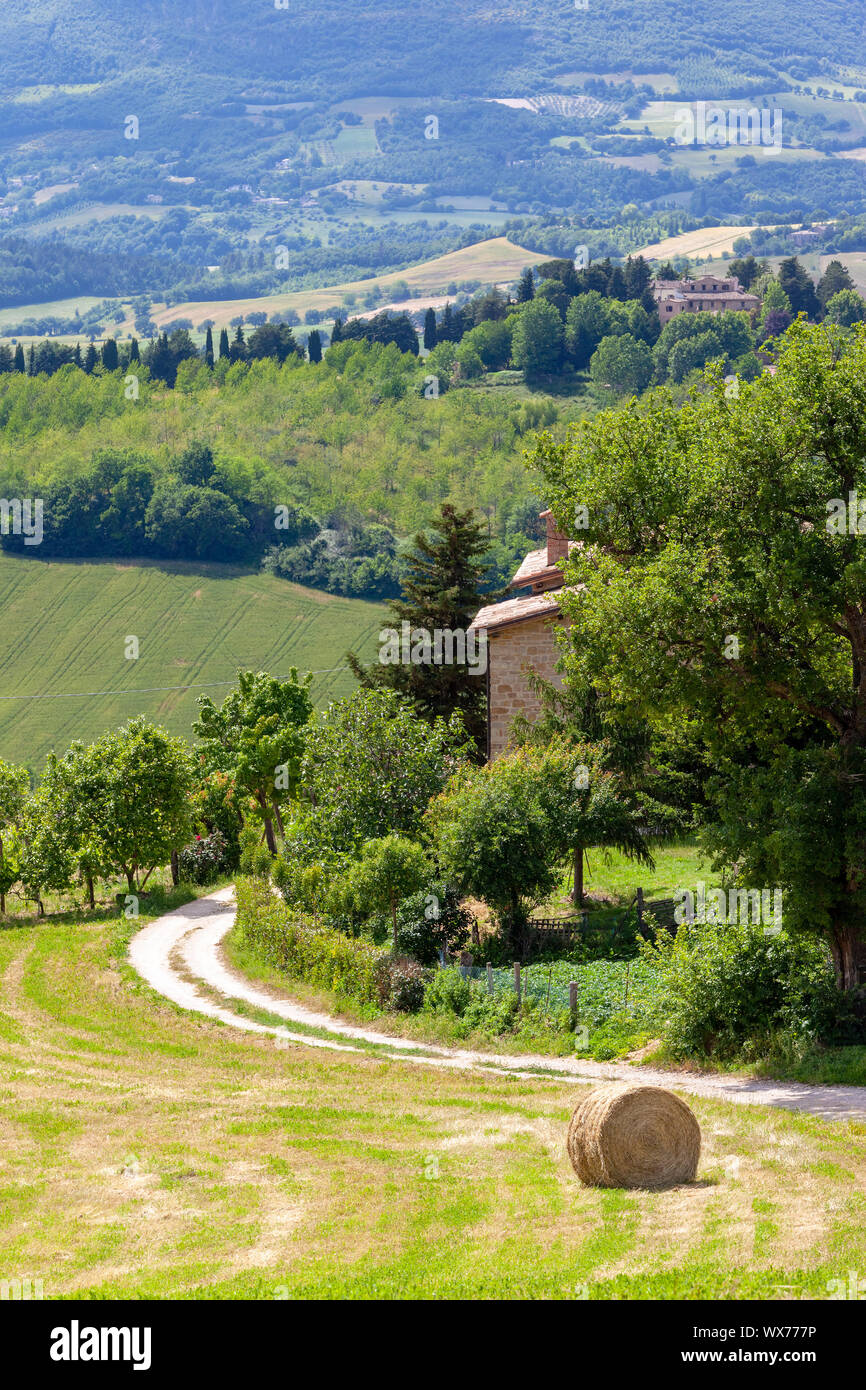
{"x": 146, "y": 1151}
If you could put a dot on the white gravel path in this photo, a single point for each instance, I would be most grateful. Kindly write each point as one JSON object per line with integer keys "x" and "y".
{"x": 185, "y": 946}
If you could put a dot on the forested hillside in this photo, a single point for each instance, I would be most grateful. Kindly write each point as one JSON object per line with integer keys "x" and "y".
{"x": 355, "y": 46}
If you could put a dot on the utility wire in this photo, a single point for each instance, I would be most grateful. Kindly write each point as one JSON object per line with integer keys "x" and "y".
{"x": 152, "y": 689}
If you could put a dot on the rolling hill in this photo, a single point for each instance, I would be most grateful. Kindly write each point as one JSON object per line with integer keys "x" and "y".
{"x": 64, "y": 674}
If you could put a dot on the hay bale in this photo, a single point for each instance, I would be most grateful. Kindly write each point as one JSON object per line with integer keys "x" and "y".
{"x": 634, "y": 1136}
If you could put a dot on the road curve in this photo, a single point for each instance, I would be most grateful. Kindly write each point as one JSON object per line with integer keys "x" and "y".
{"x": 180, "y": 956}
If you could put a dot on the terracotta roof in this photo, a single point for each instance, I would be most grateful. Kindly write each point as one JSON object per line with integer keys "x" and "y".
{"x": 535, "y": 567}
{"x": 739, "y": 295}
{"x": 515, "y": 610}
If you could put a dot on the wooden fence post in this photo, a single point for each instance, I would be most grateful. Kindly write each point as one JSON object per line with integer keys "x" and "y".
{"x": 489, "y": 978}
{"x": 517, "y": 979}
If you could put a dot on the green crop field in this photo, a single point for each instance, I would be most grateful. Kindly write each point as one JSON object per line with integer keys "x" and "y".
{"x": 67, "y": 625}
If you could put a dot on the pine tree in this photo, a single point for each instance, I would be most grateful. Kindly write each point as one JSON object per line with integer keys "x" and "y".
{"x": 110, "y": 358}
{"x": 637, "y": 277}
{"x": 799, "y": 288}
{"x": 224, "y": 343}
{"x": 314, "y": 346}
{"x": 616, "y": 285}
{"x": 337, "y": 332}
{"x": 440, "y": 592}
{"x": 526, "y": 286}
{"x": 834, "y": 279}
{"x": 19, "y": 365}
{"x": 430, "y": 329}
{"x": 208, "y": 347}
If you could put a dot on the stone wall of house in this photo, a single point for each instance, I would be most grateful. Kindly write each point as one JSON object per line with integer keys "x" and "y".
{"x": 510, "y": 650}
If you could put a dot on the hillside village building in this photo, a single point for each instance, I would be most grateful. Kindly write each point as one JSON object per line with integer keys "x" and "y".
{"x": 705, "y": 294}
{"x": 521, "y": 636}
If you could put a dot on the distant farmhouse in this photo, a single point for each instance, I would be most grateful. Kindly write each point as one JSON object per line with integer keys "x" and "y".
{"x": 706, "y": 294}
{"x": 521, "y": 637}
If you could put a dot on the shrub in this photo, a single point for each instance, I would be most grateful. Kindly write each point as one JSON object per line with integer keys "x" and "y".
{"x": 728, "y": 990}
{"x": 312, "y": 953}
{"x": 205, "y": 859}
{"x": 474, "y": 1010}
{"x": 448, "y": 993}
{"x": 255, "y": 858}
{"x": 400, "y": 984}
{"x": 428, "y": 922}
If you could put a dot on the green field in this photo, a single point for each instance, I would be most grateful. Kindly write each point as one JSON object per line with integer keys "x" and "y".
{"x": 67, "y": 624}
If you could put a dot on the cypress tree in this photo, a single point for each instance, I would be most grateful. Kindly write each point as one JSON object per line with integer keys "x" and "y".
{"x": 19, "y": 364}
{"x": 208, "y": 347}
{"x": 77, "y": 358}
{"x": 110, "y": 357}
{"x": 337, "y": 332}
{"x": 31, "y": 359}
{"x": 314, "y": 346}
{"x": 224, "y": 343}
{"x": 440, "y": 592}
{"x": 238, "y": 349}
{"x": 430, "y": 329}
{"x": 90, "y": 358}
{"x": 134, "y": 355}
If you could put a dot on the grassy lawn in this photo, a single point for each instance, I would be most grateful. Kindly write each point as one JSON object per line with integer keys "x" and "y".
{"x": 612, "y": 879}
{"x": 150, "y": 1153}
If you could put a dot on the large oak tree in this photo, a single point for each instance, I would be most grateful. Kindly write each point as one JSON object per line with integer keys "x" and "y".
{"x": 724, "y": 583}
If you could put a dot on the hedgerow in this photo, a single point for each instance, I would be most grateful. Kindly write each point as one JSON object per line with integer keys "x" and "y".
{"x": 316, "y": 954}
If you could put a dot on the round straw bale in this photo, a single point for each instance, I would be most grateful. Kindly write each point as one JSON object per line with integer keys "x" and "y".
{"x": 634, "y": 1136}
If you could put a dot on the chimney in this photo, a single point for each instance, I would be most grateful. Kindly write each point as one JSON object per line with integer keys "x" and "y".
{"x": 557, "y": 543}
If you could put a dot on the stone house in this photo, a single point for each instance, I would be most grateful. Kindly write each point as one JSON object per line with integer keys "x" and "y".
{"x": 521, "y": 636}
{"x": 705, "y": 294}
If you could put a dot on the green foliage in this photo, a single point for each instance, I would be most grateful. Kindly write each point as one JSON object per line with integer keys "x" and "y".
{"x": 834, "y": 280}
{"x": 400, "y": 983}
{"x": 538, "y": 341}
{"x": 441, "y": 591}
{"x": 256, "y": 737}
{"x": 47, "y": 861}
{"x": 387, "y": 871}
{"x": 846, "y": 308}
{"x": 431, "y": 921}
{"x": 622, "y": 364}
{"x": 491, "y": 830}
{"x": 316, "y": 954}
{"x": 205, "y": 859}
{"x": 730, "y": 336}
{"x": 727, "y": 990}
{"x": 125, "y": 799}
{"x": 370, "y": 767}
{"x": 731, "y": 539}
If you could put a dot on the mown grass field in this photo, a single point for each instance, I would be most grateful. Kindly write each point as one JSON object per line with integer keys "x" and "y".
{"x": 494, "y": 261}
{"x": 67, "y": 625}
{"x": 146, "y": 1152}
